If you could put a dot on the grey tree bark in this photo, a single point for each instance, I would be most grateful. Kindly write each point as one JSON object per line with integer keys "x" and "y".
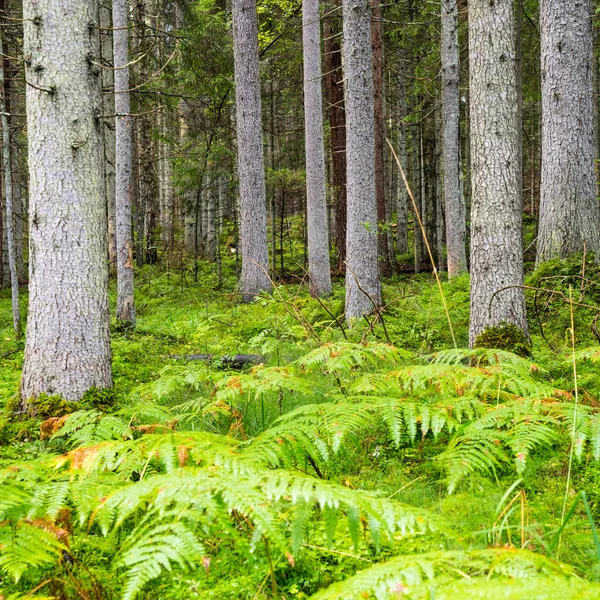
{"x": 167, "y": 191}
{"x": 453, "y": 198}
{"x": 123, "y": 164}
{"x": 385, "y": 267}
{"x": 251, "y": 164}
{"x": 363, "y": 286}
{"x": 402, "y": 198}
{"x": 67, "y": 349}
{"x": 417, "y": 186}
{"x": 108, "y": 129}
{"x": 8, "y": 198}
{"x": 319, "y": 270}
{"x": 337, "y": 126}
{"x": 569, "y": 212}
{"x": 496, "y": 221}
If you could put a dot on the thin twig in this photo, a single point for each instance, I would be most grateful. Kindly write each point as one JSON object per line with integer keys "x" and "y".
{"x": 418, "y": 217}
{"x": 572, "y": 449}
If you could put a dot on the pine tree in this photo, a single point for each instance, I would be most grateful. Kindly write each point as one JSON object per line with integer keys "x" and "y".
{"x": 318, "y": 244}
{"x": 67, "y": 346}
{"x": 569, "y": 211}
{"x": 9, "y": 198}
{"x": 123, "y": 164}
{"x": 363, "y": 287}
{"x": 496, "y": 211}
{"x": 251, "y": 165}
{"x": 453, "y": 197}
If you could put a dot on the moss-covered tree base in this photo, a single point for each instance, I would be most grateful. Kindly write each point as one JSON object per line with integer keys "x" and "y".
{"x": 505, "y": 336}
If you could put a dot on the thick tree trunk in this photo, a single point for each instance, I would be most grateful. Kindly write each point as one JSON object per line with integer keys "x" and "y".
{"x": 363, "y": 287}
{"x": 454, "y": 203}
{"x": 319, "y": 271}
{"x": 496, "y": 220}
{"x": 9, "y": 198}
{"x": 251, "y": 167}
{"x": 569, "y": 212}
{"x": 67, "y": 350}
{"x": 337, "y": 126}
{"x": 123, "y": 164}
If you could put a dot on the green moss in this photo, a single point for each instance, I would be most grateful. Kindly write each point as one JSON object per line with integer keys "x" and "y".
{"x": 103, "y": 400}
{"x": 45, "y": 406}
{"x": 505, "y": 336}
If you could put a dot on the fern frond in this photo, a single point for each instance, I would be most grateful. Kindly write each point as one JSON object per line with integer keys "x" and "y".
{"x": 154, "y": 452}
{"x": 344, "y": 356}
{"x": 532, "y": 588}
{"x": 153, "y": 547}
{"x": 414, "y": 575}
{"x": 28, "y": 546}
{"x": 91, "y": 426}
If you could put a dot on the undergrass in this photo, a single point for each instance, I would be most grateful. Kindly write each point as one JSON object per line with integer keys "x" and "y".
{"x": 177, "y": 316}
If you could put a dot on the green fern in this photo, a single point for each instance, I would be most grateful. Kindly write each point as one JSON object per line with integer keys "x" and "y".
{"x": 434, "y": 575}
{"x": 28, "y": 545}
{"x": 155, "y": 546}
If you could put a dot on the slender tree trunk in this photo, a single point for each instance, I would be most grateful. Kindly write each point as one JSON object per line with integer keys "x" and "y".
{"x": 363, "y": 287}
{"x": 67, "y": 349}
{"x": 402, "y": 198}
{"x": 319, "y": 270}
{"x": 569, "y": 211}
{"x": 167, "y": 205}
{"x": 138, "y": 201}
{"x": 20, "y": 213}
{"x": 251, "y": 168}
{"x": 337, "y": 125}
{"x": 429, "y": 210}
{"x": 211, "y": 217}
{"x": 272, "y": 191}
{"x": 379, "y": 133}
{"x": 496, "y": 214}
{"x": 8, "y": 197}
{"x": 439, "y": 208}
{"x": 417, "y": 156}
{"x": 123, "y": 164}
{"x": 454, "y": 203}
{"x": 108, "y": 131}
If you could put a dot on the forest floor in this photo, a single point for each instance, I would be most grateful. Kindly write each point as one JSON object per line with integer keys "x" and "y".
{"x": 179, "y": 317}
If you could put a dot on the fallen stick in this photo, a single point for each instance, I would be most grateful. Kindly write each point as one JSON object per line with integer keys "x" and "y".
{"x": 239, "y": 361}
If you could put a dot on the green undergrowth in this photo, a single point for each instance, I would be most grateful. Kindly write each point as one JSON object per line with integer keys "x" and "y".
{"x": 377, "y": 462}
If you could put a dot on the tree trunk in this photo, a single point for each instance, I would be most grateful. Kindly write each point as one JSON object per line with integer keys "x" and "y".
{"x": 253, "y": 213}
{"x": 67, "y": 349}
{"x": 363, "y": 287}
{"x": 454, "y": 203}
{"x": 123, "y": 164}
{"x": 8, "y": 198}
{"x": 379, "y": 134}
{"x": 569, "y": 212}
{"x": 108, "y": 131}
{"x": 417, "y": 156}
{"x": 429, "y": 183}
{"x": 439, "y": 209}
{"x": 337, "y": 126}
{"x": 402, "y": 198}
{"x": 496, "y": 214}
{"x": 319, "y": 270}
{"x": 167, "y": 194}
